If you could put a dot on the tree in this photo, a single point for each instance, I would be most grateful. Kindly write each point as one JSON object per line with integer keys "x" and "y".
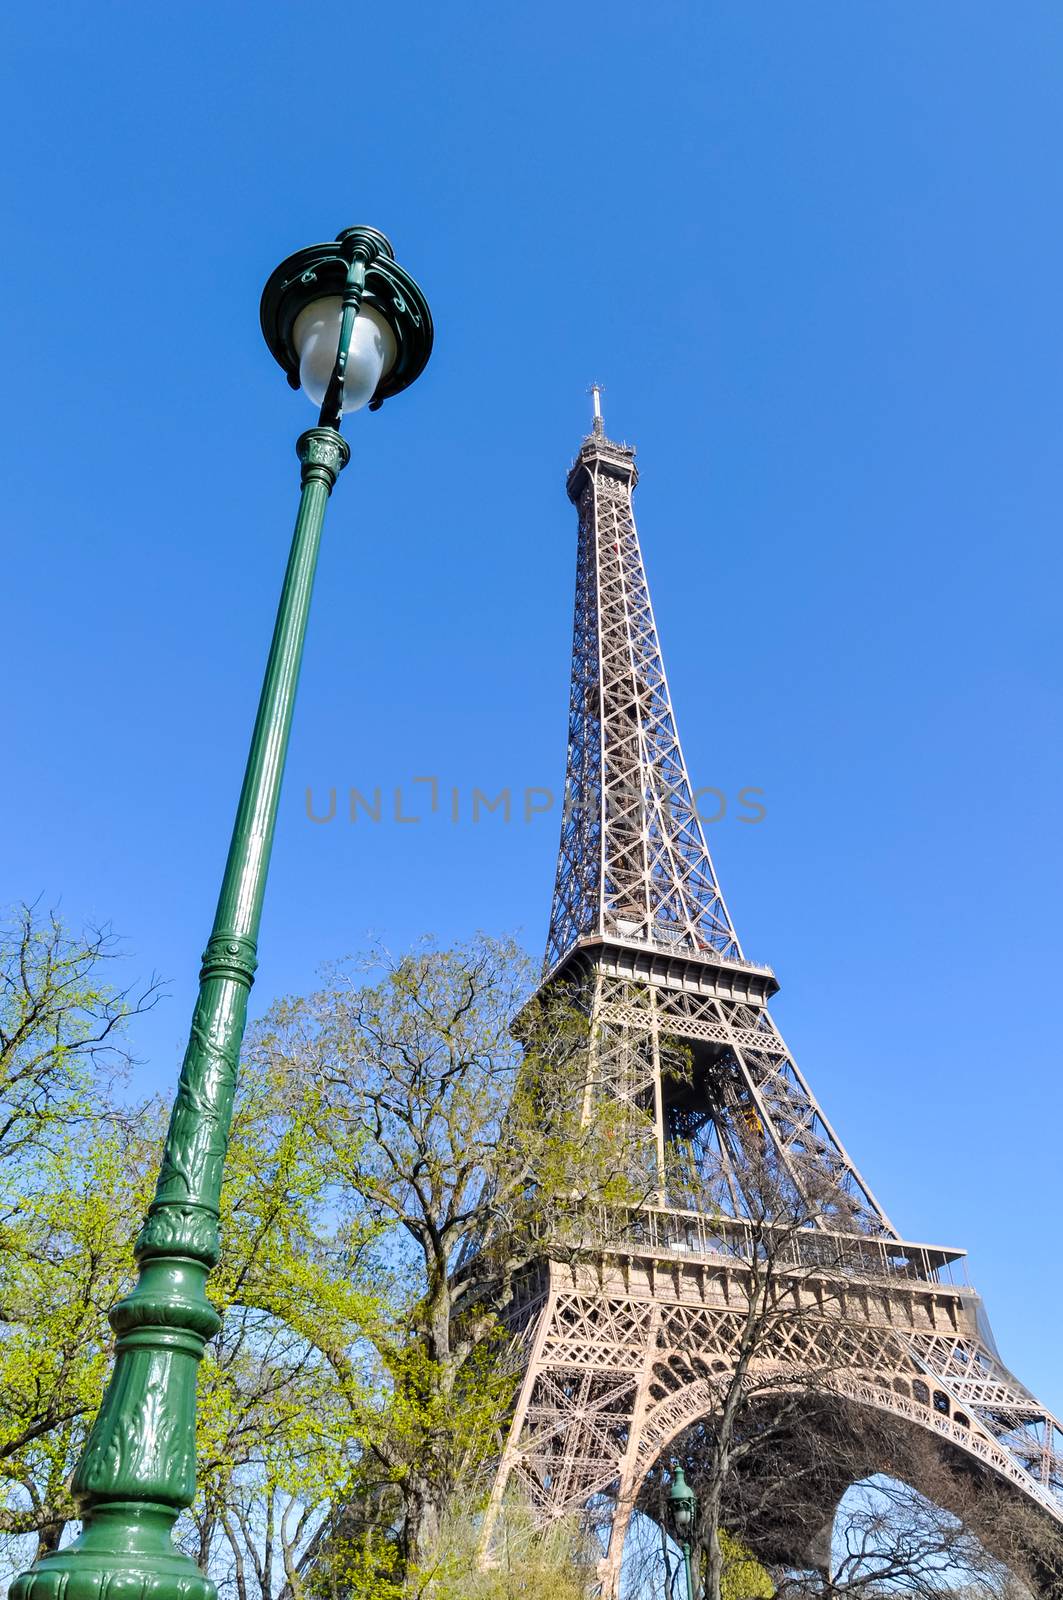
{"x": 72, "y": 1188}
{"x": 284, "y": 1405}
{"x": 355, "y": 1378}
{"x": 279, "y": 1423}
{"x": 73, "y": 1209}
{"x": 458, "y": 1138}
{"x": 766, "y": 1245}
{"x": 286, "y": 1402}
{"x": 653, "y": 1562}
{"x": 62, "y": 1026}
{"x": 529, "y": 1562}
{"x": 277, "y": 1430}
{"x": 890, "y": 1535}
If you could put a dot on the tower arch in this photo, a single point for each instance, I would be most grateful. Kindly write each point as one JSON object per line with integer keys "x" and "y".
{"x": 870, "y": 1434}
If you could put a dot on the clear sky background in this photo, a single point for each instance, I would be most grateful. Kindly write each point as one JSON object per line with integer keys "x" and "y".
{"x": 814, "y": 251}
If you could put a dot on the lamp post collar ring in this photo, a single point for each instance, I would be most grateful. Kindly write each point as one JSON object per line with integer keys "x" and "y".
{"x": 324, "y": 453}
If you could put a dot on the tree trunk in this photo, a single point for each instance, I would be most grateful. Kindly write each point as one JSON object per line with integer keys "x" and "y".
{"x": 711, "y": 1506}
{"x": 424, "y": 1519}
{"x": 48, "y": 1536}
{"x": 713, "y": 1569}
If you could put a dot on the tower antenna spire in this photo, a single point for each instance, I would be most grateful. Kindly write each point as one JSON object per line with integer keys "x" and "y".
{"x": 595, "y": 391}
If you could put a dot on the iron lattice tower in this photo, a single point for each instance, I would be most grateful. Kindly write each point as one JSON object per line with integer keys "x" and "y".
{"x": 621, "y": 1345}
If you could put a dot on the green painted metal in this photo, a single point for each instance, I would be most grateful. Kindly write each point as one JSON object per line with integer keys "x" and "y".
{"x": 138, "y": 1468}
{"x": 353, "y": 292}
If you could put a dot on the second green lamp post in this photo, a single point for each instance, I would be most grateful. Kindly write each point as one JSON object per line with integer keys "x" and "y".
{"x": 683, "y": 1505}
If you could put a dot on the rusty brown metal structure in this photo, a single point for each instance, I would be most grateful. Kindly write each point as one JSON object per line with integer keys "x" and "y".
{"x": 622, "y": 1333}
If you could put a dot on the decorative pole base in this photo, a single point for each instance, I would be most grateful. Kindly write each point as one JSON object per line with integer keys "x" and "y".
{"x": 124, "y": 1553}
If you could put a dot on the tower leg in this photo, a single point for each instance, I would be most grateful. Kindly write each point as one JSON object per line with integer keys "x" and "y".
{"x": 511, "y": 1450}
{"x": 576, "y": 1426}
{"x": 630, "y": 1476}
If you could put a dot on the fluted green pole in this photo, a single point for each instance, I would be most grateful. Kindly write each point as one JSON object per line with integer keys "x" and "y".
{"x": 689, "y": 1572}
{"x": 138, "y": 1468}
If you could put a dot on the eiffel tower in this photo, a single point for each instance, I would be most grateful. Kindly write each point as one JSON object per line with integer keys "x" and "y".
{"x": 619, "y": 1344}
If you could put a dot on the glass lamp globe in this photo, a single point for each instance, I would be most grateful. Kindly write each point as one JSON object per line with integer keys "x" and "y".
{"x": 316, "y": 337}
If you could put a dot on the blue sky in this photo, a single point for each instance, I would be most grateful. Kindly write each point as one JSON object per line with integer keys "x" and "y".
{"x": 814, "y": 253}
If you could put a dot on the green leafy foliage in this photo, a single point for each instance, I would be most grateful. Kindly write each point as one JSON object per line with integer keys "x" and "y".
{"x": 71, "y": 1213}
{"x": 356, "y": 1384}
{"x": 73, "y": 1183}
{"x": 284, "y": 1404}
{"x": 459, "y": 1140}
{"x": 743, "y": 1576}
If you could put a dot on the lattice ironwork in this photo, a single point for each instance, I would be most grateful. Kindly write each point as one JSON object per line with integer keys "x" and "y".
{"x": 633, "y": 858}
{"x": 624, "y": 1334}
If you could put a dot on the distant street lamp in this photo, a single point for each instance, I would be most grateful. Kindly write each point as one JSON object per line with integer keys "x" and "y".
{"x": 349, "y": 326}
{"x": 683, "y": 1506}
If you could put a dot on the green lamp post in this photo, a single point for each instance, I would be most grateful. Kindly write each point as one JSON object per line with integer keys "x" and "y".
{"x": 683, "y": 1506}
{"x": 351, "y": 327}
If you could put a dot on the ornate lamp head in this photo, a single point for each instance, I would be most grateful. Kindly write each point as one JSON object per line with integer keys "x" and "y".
{"x": 682, "y": 1504}
{"x": 388, "y": 325}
